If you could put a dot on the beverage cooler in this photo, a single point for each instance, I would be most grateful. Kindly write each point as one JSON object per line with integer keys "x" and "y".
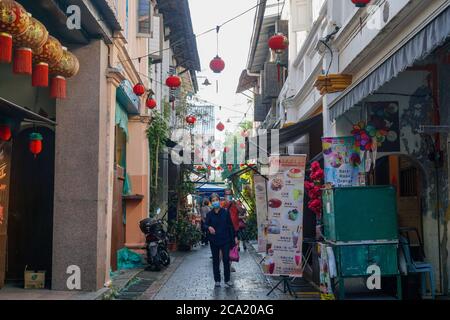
{"x": 360, "y": 223}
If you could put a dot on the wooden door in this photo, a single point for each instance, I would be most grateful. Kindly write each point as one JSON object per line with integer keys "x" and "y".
{"x": 5, "y": 163}
{"x": 30, "y": 221}
{"x": 118, "y": 226}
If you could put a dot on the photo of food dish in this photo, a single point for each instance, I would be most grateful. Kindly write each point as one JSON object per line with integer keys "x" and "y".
{"x": 294, "y": 173}
{"x": 275, "y": 203}
{"x": 293, "y": 214}
{"x": 260, "y": 187}
{"x": 277, "y": 184}
{"x": 274, "y": 227}
{"x": 297, "y": 194}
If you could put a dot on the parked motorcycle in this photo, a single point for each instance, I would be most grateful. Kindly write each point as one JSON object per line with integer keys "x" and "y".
{"x": 155, "y": 242}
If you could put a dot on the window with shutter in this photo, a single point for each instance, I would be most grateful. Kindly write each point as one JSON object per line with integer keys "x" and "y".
{"x": 144, "y": 18}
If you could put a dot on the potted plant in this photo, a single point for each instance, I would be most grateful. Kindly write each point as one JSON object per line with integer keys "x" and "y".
{"x": 171, "y": 233}
{"x": 187, "y": 234}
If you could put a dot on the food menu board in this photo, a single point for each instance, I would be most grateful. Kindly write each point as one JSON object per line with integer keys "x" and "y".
{"x": 261, "y": 210}
{"x": 342, "y": 161}
{"x": 285, "y": 192}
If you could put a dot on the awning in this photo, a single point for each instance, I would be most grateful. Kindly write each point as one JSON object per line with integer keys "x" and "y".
{"x": 262, "y": 142}
{"x": 122, "y": 118}
{"x": 246, "y": 82}
{"x": 428, "y": 39}
{"x": 15, "y": 111}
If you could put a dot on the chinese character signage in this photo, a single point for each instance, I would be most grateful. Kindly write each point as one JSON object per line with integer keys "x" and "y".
{"x": 285, "y": 191}
{"x": 342, "y": 161}
{"x": 261, "y": 211}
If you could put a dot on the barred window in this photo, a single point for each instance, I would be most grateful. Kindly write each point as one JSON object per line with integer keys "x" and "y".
{"x": 144, "y": 18}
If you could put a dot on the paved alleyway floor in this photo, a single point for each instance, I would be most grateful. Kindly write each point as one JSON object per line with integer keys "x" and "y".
{"x": 193, "y": 280}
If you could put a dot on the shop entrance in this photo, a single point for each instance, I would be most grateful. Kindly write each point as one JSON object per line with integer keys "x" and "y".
{"x": 30, "y": 220}
{"x": 406, "y": 176}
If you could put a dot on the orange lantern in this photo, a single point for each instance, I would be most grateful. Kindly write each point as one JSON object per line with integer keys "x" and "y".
{"x": 14, "y": 21}
{"x": 68, "y": 66}
{"x": 48, "y": 55}
{"x": 31, "y": 40}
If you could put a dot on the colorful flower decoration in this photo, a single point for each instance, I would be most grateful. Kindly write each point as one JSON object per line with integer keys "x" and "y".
{"x": 314, "y": 189}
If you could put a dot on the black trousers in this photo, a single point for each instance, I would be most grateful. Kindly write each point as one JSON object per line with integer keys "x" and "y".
{"x": 215, "y": 251}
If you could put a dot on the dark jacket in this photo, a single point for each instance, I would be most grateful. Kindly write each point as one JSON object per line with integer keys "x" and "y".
{"x": 221, "y": 222}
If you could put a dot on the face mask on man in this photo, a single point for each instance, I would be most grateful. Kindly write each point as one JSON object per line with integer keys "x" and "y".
{"x": 216, "y": 204}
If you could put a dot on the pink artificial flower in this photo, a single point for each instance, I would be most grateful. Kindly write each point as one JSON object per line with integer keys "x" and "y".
{"x": 315, "y": 165}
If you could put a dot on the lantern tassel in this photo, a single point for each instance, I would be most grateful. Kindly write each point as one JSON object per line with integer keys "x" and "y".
{"x": 6, "y": 45}
{"x": 58, "y": 88}
{"x": 23, "y": 61}
{"x": 40, "y": 75}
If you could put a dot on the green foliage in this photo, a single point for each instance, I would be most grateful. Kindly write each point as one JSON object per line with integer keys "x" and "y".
{"x": 185, "y": 233}
{"x": 157, "y": 134}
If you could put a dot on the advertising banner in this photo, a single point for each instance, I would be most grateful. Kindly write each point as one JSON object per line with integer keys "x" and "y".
{"x": 342, "y": 161}
{"x": 261, "y": 211}
{"x": 285, "y": 192}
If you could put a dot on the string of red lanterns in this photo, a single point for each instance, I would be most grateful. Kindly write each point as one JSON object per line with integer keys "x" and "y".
{"x": 36, "y": 53}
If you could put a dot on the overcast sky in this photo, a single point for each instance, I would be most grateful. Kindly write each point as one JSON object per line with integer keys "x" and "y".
{"x": 234, "y": 42}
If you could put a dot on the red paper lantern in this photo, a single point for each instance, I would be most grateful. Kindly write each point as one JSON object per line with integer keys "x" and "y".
{"x": 217, "y": 64}
{"x": 361, "y": 3}
{"x": 230, "y": 167}
{"x": 50, "y": 54}
{"x": 191, "y": 119}
{"x": 244, "y": 133}
{"x": 151, "y": 103}
{"x": 173, "y": 82}
{"x": 67, "y": 67}
{"x": 5, "y": 132}
{"x": 33, "y": 39}
{"x": 139, "y": 89}
{"x": 14, "y": 21}
{"x": 220, "y": 126}
{"x": 278, "y": 43}
{"x": 35, "y": 144}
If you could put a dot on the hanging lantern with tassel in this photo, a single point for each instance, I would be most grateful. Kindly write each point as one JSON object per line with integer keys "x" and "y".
{"x": 14, "y": 21}
{"x": 35, "y": 144}
{"x": 278, "y": 43}
{"x": 150, "y": 103}
{"x": 217, "y": 64}
{"x": 48, "y": 55}
{"x": 67, "y": 67}
{"x": 5, "y": 131}
{"x": 31, "y": 40}
{"x": 191, "y": 119}
{"x": 220, "y": 126}
{"x": 173, "y": 82}
{"x": 139, "y": 89}
{"x": 361, "y": 3}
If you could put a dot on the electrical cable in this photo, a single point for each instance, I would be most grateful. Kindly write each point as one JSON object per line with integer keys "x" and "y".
{"x": 198, "y": 35}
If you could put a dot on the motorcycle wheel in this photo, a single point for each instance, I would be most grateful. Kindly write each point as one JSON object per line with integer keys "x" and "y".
{"x": 164, "y": 257}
